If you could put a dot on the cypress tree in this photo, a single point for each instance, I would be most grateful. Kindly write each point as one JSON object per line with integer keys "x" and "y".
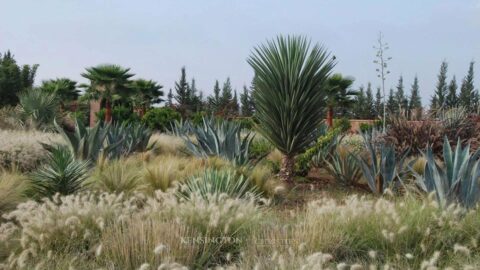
{"x": 392, "y": 102}
{"x": 370, "y": 103}
{"x": 359, "y": 106}
{"x": 226, "y": 98}
{"x": 468, "y": 96}
{"x": 452, "y": 98}
{"x": 182, "y": 95}
{"x": 400, "y": 99}
{"x": 214, "y": 99}
{"x": 378, "y": 103}
{"x": 415, "y": 104}
{"x": 246, "y": 102}
{"x": 441, "y": 88}
{"x": 170, "y": 98}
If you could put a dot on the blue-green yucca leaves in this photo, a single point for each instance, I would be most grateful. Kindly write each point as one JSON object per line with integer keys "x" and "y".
{"x": 290, "y": 83}
{"x": 130, "y": 137}
{"x": 61, "y": 174}
{"x": 217, "y": 182}
{"x": 382, "y": 168}
{"x": 457, "y": 180}
{"x": 342, "y": 165}
{"x": 182, "y": 127}
{"x": 220, "y": 138}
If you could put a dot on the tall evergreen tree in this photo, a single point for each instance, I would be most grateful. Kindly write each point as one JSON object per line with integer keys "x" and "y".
{"x": 392, "y": 103}
{"x": 369, "y": 103}
{"x": 468, "y": 94}
{"x": 214, "y": 99}
{"x": 182, "y": 93}
{"x": 246, "y": 102}
{"x": 441, "y": 88}
{"x": 170, "y": 98}
{"x": 452, "y": 99}
{"x": 378, "y": 103}
{"x": 415, "y": 104}
{"x": 359, "y": 106}
{"x": 400, "y": 98}
{"x": 14, "y": 79}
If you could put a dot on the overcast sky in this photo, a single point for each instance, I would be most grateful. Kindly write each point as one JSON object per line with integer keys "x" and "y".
{"x": 213, "y": 38}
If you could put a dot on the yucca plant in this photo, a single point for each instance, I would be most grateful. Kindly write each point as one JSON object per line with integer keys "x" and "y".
{"x": 455, "y": 180}
{"x": 217, "y": 182}
{"x": 382, "y": 169}
{"x": 61, "y": 174}
{"x": 38, "y": 108}
{"x": 220, "y": 138}
{"x": 181, "y": 127}
{"x": 290, "y": 89}
{"x": 342, "y": 165}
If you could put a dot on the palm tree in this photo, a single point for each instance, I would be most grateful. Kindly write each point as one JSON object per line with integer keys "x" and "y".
{"x": 64, "y": 88}
{"x": 339, "y": 95}
{"x": 146, "y": 93}
{"x": 290, "y": 88}
{"x": 107, "y": 82}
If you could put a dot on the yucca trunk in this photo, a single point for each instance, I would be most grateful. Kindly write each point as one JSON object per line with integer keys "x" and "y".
{"x": 379, "y": 183}
{"x": 286, "y": 169}
{"x": 108, "y": 111}
{"x": 330, "y": 116}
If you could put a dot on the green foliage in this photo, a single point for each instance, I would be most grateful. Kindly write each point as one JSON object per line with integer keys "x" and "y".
{"x": 219, "y": 138}
{"x": 130, "y": 137}
{"x": 62, "y": 174}
{"x": 246, "y": 122}
{"x": 381, "y": 169}
{"x": 260, "y": 148}
{"x": 116, "y": 177}
{"x": 38, "y": 109}
{"x": 213, "y": 183}
{"x": 289, "y": 91}
{"x": 160, "y": 119}
{"x": 120, "y": 114}
{"x": 14, "y": 79}
{"x": 343, "y": 166}
{"x": 343, "y": 124}
{"x": 319, "y": 151}
{"x": 85, "y": 143}
{"x": 456, "y": 179}
{"x": 64, "y": 88}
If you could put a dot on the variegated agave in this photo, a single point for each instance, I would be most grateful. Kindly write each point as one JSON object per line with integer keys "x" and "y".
{"x": 455, "y": 180}
{"x": 382, "y": 169}
{"x": 219, "y": 138}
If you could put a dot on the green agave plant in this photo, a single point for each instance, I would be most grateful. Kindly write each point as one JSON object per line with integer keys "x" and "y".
{"x": 220, "y": 138}
{"x": 218, "y": 182}
{"x": 62, "y": 174}
{"x": 455, "y": 180}
{"x": 342, "y": 165}
{"x": 381, "y": 169}
{"x": 130, "y": 137}
{"x": 86, "y": 143}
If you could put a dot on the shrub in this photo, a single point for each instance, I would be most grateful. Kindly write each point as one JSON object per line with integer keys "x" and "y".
{"x": 213, "y": 183}
{"x": 9, "y": 118}
{"x": 12, "y": 189}
{"x": 246, "y": 122}
{"x": 116, "y": 176}
{"x": 259, "y": 148}
{"x": 62, "y": 174}
{"x": 22, "y": 150}
{"x": 414, "y": 136}
{"x": 160, "y": 119}
{"x": 343, "y": 124}
{"x": 38, "y": 109}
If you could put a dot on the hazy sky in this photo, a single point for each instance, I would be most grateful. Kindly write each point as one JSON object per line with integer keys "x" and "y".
{"x": 214, "y": 38}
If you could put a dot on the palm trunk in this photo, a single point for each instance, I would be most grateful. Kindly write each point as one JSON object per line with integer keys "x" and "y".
{"x": 330, "y": 116}
{"x": 379, "y": 183}
{"x": 286, "y": 169}
{"x": 108, "y": 111}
